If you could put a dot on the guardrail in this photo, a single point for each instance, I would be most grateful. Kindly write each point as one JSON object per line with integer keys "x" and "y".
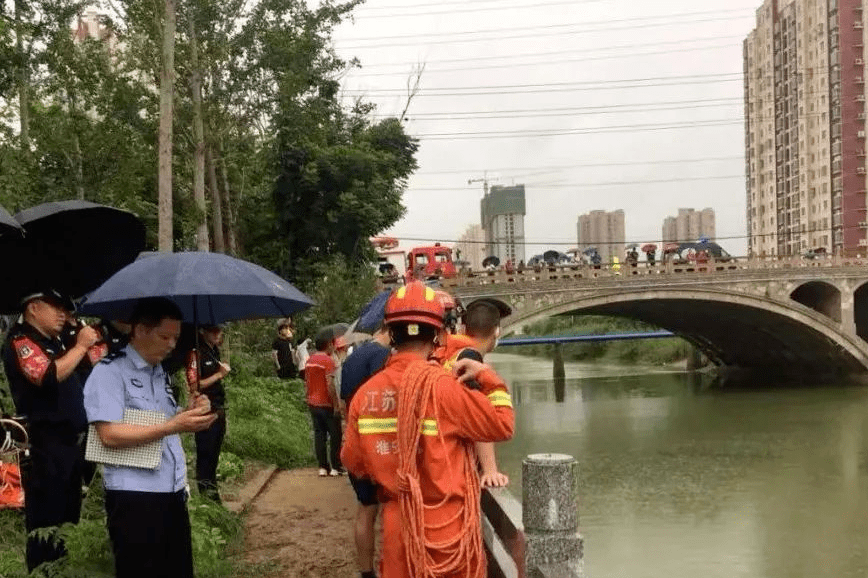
{"x": 539, "y": 539}
{"x": 577, "y": 271}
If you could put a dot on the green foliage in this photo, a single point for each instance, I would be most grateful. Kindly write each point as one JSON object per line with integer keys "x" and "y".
{"x": 230, "y": 468}
{"x": 267, "y": 419}
{"x": 647, "y": 351}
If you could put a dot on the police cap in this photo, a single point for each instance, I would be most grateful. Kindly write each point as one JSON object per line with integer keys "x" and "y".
{"x": 52, "y": 296}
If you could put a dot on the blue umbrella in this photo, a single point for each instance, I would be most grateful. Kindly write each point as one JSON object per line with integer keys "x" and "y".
{"x": 210, "y": 288}
{"x": 372, "y": 314}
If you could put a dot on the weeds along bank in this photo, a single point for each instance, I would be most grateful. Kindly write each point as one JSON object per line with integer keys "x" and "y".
{"x": 267, "y": 421}
{"x": 642, "y": 351}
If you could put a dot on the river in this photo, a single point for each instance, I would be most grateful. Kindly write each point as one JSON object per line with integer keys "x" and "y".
{"x": 679, "y": 479}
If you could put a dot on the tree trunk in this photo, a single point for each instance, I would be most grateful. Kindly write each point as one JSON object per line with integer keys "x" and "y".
{"x": 23, "y": 78}
{"x": 216, "y": 203}
{"x": 231, "y": 236}
{"x": 167, "y": 79}
{"x": 202, "y": 242}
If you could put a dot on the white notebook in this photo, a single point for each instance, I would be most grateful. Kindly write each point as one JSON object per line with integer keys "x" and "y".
{"x": 146, "y": 456}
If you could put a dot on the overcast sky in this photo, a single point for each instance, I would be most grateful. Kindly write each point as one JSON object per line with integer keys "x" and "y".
{"x": 575, "y": 99}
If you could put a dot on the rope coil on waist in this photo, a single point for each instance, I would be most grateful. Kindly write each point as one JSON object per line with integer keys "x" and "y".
{"x": 463, "y": 553}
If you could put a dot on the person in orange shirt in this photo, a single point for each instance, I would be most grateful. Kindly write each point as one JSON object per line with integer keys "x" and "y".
{"x": 481, "y": 321}
{"x": 322, "y": 400}
{"x": 411, "y": 429}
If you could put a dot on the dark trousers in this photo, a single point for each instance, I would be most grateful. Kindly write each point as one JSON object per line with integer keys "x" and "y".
{"x": 150, "y": 534}
{"x": 51, "y": 480}
{"x": 326, "y": 424}
{"x": 208, "y": 444}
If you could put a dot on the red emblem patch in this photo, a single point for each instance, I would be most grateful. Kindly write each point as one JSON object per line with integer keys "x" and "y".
{"x": 32, "y": 360}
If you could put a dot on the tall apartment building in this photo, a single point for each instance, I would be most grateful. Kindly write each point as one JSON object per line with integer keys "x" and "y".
{"x": 603, "y": 230}
{"x": 503, "y": 210}
{"x": 471, "y": 247}
{"x": 804, "y": 97}
{"x": 689, "y": 225}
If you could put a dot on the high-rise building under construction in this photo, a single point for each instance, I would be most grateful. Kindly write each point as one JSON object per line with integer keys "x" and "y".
{"x": 804, "y": 95}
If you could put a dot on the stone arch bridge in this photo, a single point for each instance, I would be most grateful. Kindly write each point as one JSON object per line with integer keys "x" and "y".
{"x": 808, "y": 317}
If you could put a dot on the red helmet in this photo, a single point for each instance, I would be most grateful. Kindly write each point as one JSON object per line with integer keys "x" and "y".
{"x": 415, "y": 303}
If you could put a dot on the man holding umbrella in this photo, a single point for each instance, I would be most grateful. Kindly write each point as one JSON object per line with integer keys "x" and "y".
{"x": 146, "y": 508}
{"x": 47, "y": 390}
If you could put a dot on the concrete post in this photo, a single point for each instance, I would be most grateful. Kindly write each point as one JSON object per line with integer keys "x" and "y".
{"x": 550, "y": 515}
{"x": 559, "y": 374}
{"x": 848, "y": 309}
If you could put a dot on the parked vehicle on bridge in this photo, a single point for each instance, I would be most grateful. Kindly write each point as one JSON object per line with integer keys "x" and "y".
{"x": 396, "y": 266}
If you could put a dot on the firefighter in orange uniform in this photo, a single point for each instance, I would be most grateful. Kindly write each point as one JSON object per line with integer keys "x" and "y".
{"x": 411, "y": 429}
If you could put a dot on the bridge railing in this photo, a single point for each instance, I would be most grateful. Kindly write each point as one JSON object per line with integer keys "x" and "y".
{"x": 538, "y": 537}
{"x": 576, "y": 271}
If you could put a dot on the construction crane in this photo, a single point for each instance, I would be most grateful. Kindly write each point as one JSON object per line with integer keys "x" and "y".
{"x": 484, "y": 180}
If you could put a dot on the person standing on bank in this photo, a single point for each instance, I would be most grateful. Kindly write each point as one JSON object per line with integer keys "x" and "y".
{"x": 282, "y": 351}
{"x": 47, "y": 390}
{"x": 146, "y": 509}
{"x": 322, "y": 400}
{"x": 205, "y": 373}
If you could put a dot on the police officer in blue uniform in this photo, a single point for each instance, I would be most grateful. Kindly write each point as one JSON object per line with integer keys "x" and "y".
{"x": 146, "y": 509}
{"x": 47, "y": 391}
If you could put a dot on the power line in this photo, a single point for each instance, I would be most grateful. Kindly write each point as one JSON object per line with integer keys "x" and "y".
{"x": 561, "y": 132}
{"x": 563, "y": 52}
{"x": 601, "y": 108}
{"x": 500, "y": 5}
{"x": 721, "y": 75}
{"x": 589, "y": 185}
{"x": 573, "y": 242}
{"x": 645, "y": 19}
{"x": 577, "y": 88}
{"x": 420, "y": 38}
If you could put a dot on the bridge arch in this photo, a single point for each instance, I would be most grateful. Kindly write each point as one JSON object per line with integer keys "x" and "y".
{"x": 732, "y": 329}
{"x": 820, "y": 296}
{"x": 860, "y": 311}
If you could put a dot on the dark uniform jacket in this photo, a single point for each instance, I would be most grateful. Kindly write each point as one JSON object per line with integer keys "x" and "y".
{"x": 210, "y": 362}
{"x": 28, "y": 357}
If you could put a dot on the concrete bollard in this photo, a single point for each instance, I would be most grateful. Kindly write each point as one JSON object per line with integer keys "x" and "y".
{"x": 550, "y": 515}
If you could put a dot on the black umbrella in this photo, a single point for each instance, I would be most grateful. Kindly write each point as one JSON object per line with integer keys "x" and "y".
{"x": 8, "y": 224}
{"x": 78, "y": 244}
{"x": 491, "y": 260}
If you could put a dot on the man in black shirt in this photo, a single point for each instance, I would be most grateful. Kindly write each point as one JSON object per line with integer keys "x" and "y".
{"x": 282, "y": 351}
{"x": 47, "y": 390}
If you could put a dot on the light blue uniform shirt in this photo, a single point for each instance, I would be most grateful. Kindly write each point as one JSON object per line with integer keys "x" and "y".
{"x": 129, "y": 381}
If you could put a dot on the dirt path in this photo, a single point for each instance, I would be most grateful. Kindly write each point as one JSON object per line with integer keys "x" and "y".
{"x": 303, "y": 524}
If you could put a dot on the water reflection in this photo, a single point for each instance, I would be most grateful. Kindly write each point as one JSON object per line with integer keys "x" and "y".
{"x": 680, "y": 479}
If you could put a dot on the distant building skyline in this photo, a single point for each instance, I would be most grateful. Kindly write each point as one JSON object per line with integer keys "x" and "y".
{"x": 604, "y": 230}
{"x": 502, "y": 213}
{"x": 689, "y": 225}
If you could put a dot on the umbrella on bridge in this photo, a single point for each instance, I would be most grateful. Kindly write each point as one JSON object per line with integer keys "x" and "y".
{"x": 590, "y": 251}
{"x": 632, "y": 246}
{"x": 209, "y": 288}
{"x": 670, "y": 247}
{"x": 649, "y": 248}
{"x": 491, "y": 261}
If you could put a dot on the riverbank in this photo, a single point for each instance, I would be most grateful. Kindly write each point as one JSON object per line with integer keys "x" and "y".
{"x": 267, "y": 423}
{"x": 672, "y": 352}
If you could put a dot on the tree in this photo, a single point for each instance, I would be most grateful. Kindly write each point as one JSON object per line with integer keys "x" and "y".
{"x": 167, "y": 95}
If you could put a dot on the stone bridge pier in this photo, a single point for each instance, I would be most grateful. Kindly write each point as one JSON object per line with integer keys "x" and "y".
{"x": 778, "y": 319}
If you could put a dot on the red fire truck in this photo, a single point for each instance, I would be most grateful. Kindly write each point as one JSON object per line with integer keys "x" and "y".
{"x": 419, "y": 263}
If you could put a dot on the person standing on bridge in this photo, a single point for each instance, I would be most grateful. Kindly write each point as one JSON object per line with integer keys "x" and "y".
{"x": 481, "y": 330}
{"x": 409, "y": 430}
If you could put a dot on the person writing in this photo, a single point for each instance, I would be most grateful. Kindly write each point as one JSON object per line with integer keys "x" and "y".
{"x": 47, "y": 389}
{"x": 205, "y": 373}
{"x": 146, "y": 510}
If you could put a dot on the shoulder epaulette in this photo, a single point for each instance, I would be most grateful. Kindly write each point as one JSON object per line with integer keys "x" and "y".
{"x": 112, "y": 356}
